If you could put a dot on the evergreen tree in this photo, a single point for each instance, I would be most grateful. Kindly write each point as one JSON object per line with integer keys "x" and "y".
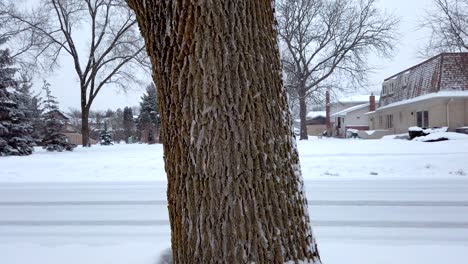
{"x": 128, "y": 123}
{"x": 15, "y": 130}
{"x": 53, "y": 139}
{"x": 117, "y": 126}
{"x": 148, "y": 120}
{"x": 31, "y": 103}
{"x": 105, "y": 137}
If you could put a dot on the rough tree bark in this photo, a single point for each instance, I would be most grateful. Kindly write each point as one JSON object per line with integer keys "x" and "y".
{"x": 235, "y": 191}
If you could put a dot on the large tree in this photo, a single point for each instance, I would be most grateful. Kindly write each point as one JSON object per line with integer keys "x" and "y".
{"x": 15, "y": 128}
{"x": 235, "y": 191}
{"x": 99, "y": 36}
{"x": 326, "y": 44}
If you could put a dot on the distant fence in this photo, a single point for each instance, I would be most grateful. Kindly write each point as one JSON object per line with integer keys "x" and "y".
{"x": 75, "y": 138}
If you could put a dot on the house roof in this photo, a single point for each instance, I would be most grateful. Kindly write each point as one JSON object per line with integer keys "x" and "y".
{"x": 443, "y": 72}
{"x": 364, "y": 98}
{"x": 314, "y": 114}
{"x": 438, "y": 95}
{"x": 351, "y": 109}
{"x": 60, "y": 114}
{"x": 424, "y": 62}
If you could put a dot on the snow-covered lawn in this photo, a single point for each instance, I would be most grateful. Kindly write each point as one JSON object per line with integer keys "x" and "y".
{"x": 321, "y": 159}
{"x": 371, "y": 202}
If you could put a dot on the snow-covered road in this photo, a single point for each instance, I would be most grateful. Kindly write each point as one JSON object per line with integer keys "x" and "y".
{"x": 401, "y": 213}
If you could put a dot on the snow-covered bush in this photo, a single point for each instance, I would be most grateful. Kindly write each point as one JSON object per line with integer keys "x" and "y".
{"x": 415, "y": 129}
{"x": 105, "y": 138}
{"x": 416, "y": 132}
{"x": 441, "y": 136}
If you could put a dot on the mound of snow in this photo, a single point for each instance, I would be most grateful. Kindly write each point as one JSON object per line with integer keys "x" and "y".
{"x": 435, "y": 130}
{"x": 428, "y": 130}
{"x": 439, "y": 136}
{"x": 397, "y": 136}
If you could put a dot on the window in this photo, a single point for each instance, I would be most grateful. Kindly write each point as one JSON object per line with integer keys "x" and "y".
{"x": 404, "y": 82}
{"x": 401, "y": 117}
{"x": 422, "y": 118}
{"x": 389, "y": 121}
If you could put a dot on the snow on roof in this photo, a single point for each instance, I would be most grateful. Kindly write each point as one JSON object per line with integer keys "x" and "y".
{"x": 357, "y": 99}
{"x": 351, "y": 109}
{"x": 438, "y": 95}
{"x": 314, "y": 114}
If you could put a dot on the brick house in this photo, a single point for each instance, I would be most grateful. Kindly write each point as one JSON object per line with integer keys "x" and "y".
{"x": 433, "y": 93}
{"x": 70, "y": 130}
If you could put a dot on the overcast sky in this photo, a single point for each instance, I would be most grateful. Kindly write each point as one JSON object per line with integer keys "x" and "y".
{"x": 65, "y": 86}
{"x": 412, "y": 38}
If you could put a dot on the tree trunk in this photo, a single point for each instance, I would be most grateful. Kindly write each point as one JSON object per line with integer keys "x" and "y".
{"x": 85, "y": 126}
{"x": 235, "y": 190}
{"x": 303, "y": 116}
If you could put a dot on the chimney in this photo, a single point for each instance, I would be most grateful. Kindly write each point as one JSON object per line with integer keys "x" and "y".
{"x": 372, "y": 103}
{"x": 327, "y": 109}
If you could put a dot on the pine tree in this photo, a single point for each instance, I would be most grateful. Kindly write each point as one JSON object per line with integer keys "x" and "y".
{"x": 117, "y": 126}
{"x": 31, "y": 103}
{"x": 148, "y": 120}
{"x": 128, "y": 123}
{"x": 53, "y": 139}
{"x": 105, "y": 137}
{"x": 15, "y": 130}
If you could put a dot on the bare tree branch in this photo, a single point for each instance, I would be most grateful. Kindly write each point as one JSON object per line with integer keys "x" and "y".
{"x": 114, "y": 51}
{"x": 329, "y": 40}
{"x": 448, "y": 23}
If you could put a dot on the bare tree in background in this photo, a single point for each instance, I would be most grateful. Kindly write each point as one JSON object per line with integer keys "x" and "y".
{"x": 24, "y": 38}
{"x": 325, "y": 41}
{"x": 100, "y": 36}
{"x": 448, "y": 23}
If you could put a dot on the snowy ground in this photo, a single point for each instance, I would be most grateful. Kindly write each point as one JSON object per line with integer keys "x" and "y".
{"x": 371, "y": 202}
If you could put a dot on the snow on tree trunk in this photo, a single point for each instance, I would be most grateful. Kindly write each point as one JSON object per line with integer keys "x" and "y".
{"x": 234, "y": 185}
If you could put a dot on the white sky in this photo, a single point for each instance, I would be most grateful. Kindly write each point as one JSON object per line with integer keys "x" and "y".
{"x": 411, "y": 12}
{"x": 412, "y": 39}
